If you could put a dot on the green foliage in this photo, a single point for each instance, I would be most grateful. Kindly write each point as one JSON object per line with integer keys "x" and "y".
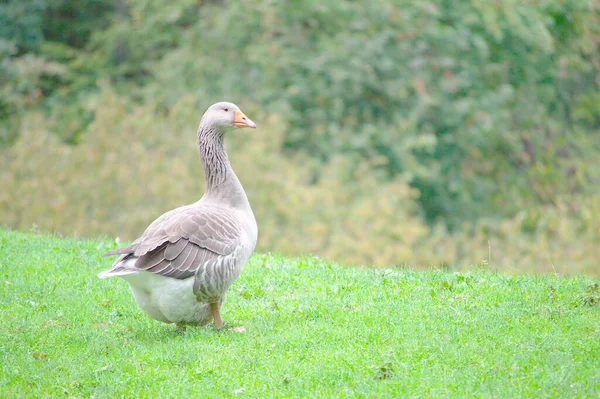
{"x": 310, "y": 329}
{"x": 132, "y": 165}
{"x": 21, "y": 22}
{"x": 30, "y": 23}
{"x": 435, "y": 89}
{"x": 112, "y": 182}
{"x": 398, "y": 123}
{"x": 41, "y": 63}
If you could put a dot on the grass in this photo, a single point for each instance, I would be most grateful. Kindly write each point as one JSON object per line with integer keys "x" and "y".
{"x": 312, "y": 330}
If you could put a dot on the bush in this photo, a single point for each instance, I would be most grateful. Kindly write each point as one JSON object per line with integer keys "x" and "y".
{"x": 132, "y": 165}
{"x": 400, "y": 124}
{"x": 459, "y": 97}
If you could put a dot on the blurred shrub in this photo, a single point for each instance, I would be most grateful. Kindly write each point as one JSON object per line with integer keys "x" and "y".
{"x": 397, "y": 131}
{"x": 132, "y": 164}
{"x": 459, "y": 99}
{"x": 564, "y": 238}
{"x": 41, "y": 61}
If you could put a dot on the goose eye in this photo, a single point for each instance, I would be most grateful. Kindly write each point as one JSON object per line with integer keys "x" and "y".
{"x": 226, "y": 110}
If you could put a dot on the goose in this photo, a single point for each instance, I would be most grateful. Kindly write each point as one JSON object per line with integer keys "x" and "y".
{"x": 180, "y": 269}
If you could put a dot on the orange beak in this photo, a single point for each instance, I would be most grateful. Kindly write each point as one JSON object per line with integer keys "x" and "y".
{"x": 242, "y": 120}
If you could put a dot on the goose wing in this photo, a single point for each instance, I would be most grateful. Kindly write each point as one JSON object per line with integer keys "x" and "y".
{"x": 182, "y": 241}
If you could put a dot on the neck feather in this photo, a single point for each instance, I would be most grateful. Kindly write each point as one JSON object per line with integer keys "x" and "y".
{"x": 222, "y": 185}
{"x": 214, "y": 157}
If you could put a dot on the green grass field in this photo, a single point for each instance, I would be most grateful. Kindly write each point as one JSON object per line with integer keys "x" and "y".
{"x": 311, "y": 329}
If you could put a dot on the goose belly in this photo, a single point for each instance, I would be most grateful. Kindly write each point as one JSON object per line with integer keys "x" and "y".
{"x": 167, "y": 299}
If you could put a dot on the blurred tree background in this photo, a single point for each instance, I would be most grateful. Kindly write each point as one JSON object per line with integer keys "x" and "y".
{"x": 390, "y": 132}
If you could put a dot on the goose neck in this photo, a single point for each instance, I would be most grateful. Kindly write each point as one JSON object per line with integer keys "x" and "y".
{"x": 215, "y": 162}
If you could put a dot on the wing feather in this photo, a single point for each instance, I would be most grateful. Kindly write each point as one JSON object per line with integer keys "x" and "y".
{"x": 182, "y": 241}
{"x": 151, "y": 259}
{"x": 174, "y": 250}
{"x": 189, "y": 249}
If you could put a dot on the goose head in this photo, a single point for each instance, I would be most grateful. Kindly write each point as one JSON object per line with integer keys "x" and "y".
{"x": 225, "y": 116}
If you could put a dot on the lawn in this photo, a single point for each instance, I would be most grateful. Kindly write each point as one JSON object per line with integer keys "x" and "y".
{"x": 294, "y": 328}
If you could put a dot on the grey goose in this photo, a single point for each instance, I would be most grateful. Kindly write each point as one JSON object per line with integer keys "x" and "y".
{"x": 180, "y": 269}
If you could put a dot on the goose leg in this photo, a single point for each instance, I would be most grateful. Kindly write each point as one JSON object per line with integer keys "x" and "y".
{"x": 214, "y": 311}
